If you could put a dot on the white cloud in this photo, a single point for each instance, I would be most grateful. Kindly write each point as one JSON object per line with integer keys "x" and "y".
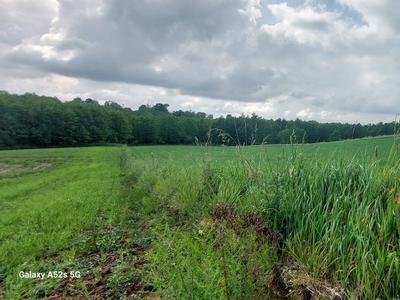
{"x": 304, "y": 25}
{"x": 305, "y": 114}
{"x": 24, "y": 19}
{"x": 380, "y": 15}
{"x": 317, "y": 59}
{"x": 324, "y": 114}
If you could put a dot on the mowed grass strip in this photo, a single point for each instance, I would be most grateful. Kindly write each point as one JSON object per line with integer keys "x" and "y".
{"x": 44, "y": 213}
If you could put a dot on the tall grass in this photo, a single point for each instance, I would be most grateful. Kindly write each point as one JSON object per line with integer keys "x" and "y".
{"x": 258, "y": 222}
{"x": 342, "y": 222}
{"x": 299, "y": 225}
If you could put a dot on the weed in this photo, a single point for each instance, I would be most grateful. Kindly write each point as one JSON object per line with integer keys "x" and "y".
{"x": 257, "y": 222}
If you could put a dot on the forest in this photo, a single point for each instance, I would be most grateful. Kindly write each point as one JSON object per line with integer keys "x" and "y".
{"x": 30, "y": 120}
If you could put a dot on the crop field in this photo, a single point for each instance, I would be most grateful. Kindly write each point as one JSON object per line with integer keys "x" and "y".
{"x": 312, "y": 221}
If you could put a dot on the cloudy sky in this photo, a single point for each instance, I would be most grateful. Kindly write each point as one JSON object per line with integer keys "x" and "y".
{"x": 324, "y": 60}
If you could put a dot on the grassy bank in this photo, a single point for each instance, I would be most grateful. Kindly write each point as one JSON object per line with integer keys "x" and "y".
{"x": 289, "y": 222}
{"x": 199, "y": 222}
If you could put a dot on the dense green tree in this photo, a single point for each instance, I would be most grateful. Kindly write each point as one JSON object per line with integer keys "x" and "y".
{"x": 113, "y": 105}
{"x": 189, "y": 129}
{"x": 30, "y": 120}
{"x": 335, "y": 136}
{"x": 311, "y": 128}
{"x": 179, "y": 113}
{"x": 120, "y": 128}
{"x": 144, "y": 109}
{"x": 91, "y": 101}
{"x": 144, "y": 130}
{"x": 77, "y": 100}
{"x": 170, "y": 130}
{"x": 160, "y": 108}
{"x": 201, "y": 115}
{"x": 284, "y": 136}
{"x": 346, "y": 131}
{"x": 358, "y": 131}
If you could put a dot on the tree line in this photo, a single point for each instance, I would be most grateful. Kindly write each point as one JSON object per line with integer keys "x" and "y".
{"x": 30, "y": 120}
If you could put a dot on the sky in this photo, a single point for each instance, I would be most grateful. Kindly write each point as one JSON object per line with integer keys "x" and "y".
{"x": 323, "y": 60}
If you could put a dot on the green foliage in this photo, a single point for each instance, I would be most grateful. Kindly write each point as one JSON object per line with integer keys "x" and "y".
{"x": 61, "y": 210}
{"x": 257, "y": 222}
{"x": 36, "y": 121}
{"x": 194, "y": 264}
{"x": 335, "y": 136}
{"x": 341, "y": 220}
{"x": 272, "y": 222}
{"x": 160, "y": 108}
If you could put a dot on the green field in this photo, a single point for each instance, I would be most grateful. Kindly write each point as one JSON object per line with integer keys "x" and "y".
{"x": 199, "y": 222}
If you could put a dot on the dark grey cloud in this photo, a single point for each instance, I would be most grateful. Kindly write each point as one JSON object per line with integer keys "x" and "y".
{"x": 23, "y": 19}
{"x": 308, "y": 58}
{"x": 121, "y": 39}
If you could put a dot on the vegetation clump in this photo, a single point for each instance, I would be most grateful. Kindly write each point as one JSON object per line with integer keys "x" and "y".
{"x": 295, "y": 221}
{"x": 32, "y": 121}
{"x": 309, "y": 225}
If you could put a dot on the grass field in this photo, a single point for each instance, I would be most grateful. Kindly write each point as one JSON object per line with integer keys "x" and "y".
{"x": 63, "y": 210}
{"x": 197, "y": 222}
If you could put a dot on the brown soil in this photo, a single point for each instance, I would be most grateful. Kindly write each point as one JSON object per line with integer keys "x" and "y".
{"x": 91, "y": 286}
